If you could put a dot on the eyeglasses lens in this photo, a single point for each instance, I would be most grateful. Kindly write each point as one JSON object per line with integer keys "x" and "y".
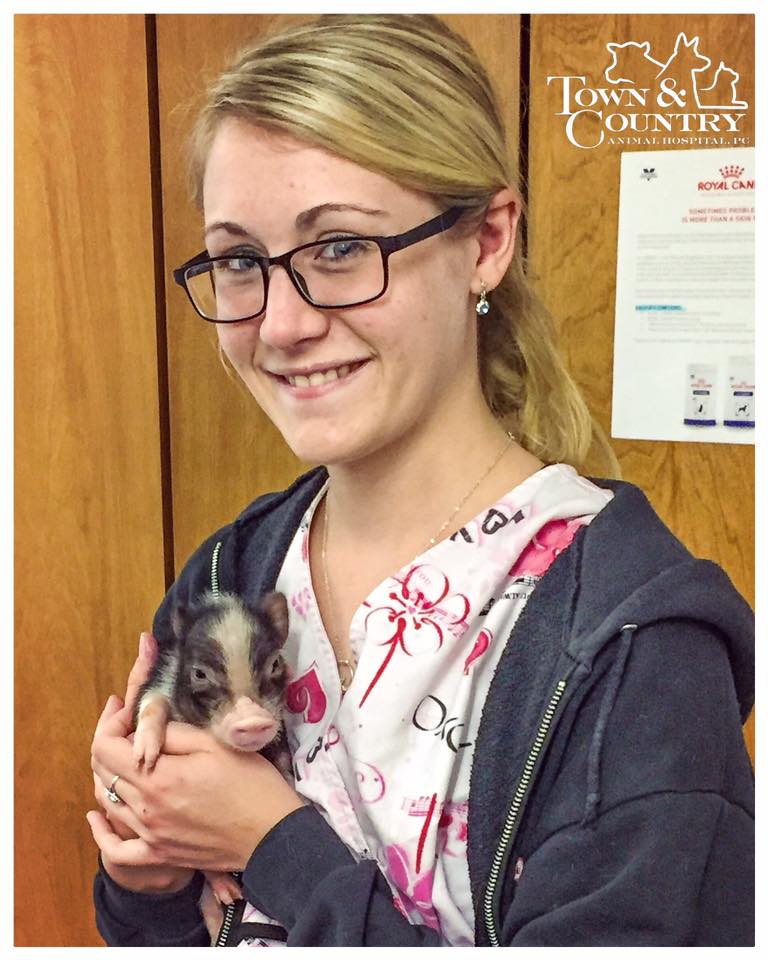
{"x": 333, "y": 273}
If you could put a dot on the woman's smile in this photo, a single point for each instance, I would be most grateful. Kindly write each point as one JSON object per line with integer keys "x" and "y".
{"x": 318, "y": 380}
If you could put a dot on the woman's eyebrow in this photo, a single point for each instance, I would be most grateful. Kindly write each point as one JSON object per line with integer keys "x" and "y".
{"x": 308, "y": 217}
{"x": 233, "y": 228}
{"x": 304, "y": 220}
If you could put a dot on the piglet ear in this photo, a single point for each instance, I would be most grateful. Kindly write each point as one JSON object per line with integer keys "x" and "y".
{"x": 275, "y": 606}
{"x": 179, "y": 620}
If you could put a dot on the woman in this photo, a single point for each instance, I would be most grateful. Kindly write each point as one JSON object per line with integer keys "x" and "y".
{"x": 579, "y": 779}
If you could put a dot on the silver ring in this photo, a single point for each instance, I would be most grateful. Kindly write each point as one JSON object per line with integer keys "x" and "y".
{"x": 109, "y": 792}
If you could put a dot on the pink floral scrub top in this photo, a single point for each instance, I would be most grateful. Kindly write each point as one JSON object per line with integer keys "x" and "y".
{"x": 388, "y": 765}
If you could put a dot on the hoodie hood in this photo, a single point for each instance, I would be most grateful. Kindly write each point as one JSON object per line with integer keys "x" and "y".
{"x": 639, "y": 573}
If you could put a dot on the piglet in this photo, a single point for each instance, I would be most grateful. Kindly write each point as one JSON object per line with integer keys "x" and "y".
{"x": 224, "y": 671}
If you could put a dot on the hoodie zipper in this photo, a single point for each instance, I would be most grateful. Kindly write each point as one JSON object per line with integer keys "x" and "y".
{"x": 511, "y": 823}
{"x": 229, "y": 913}
{"x": 215, "y": 569}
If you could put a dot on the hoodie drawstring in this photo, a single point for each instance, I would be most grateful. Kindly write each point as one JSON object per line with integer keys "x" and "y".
{"x": 609, "y": 698}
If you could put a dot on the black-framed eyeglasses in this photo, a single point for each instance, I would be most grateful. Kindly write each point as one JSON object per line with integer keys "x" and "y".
{"x": 342, "y": 271}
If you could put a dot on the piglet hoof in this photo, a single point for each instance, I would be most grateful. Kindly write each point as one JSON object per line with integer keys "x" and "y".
{"x": 147, "y": 745}
{"x": 225, "y": 888}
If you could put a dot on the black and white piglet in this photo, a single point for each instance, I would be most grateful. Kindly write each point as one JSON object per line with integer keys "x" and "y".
{"x": 223, "y": 670}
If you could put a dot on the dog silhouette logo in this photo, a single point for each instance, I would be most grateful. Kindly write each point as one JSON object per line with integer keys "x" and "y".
{"x": 688, "y": 75}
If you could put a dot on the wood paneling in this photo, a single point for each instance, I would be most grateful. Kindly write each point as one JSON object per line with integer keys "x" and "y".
{"x": 88, "y": 526}
{"x": 704, "y": 492}
{"x": 224, "y": 450}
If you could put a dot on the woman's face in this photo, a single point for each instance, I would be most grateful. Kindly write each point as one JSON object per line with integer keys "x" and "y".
{"x": 403, "y": 364}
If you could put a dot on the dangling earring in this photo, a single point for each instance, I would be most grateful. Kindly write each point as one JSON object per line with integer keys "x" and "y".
{"x": 482, "y": 304}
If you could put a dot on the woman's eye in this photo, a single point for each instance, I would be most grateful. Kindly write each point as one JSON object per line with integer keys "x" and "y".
{"x": 238, "y": 265}
{"x": 341, "y": 249}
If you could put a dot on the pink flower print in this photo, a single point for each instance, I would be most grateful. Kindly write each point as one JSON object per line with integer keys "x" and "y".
{"x": 332, "y": 737}
{"x": 544, "y": 547}
{"x": 452, "y": 829}
{"x": 481, "y": 645}
{"x": 398, "y": 903}
{"x": 421, "y": 608}
{"x": 306, "y": 695}
{"x": 370, "y": 782}
{"x": 301, "y": 600}
{"x": 413, "y": 895}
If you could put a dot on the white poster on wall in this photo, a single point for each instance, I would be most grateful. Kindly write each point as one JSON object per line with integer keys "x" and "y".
{"x": 683, "y": 366}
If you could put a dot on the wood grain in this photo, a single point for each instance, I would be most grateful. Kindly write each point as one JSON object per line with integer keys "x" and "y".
{"x": 225, "y": 451}
{"x": 88, "y": 534}
{"x": 704, "y": 492}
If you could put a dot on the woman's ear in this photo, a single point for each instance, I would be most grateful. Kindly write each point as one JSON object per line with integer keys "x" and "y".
{"x": 496, "y": 236}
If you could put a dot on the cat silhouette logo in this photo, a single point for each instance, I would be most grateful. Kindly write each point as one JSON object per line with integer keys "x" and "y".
{"x": 688, "y": 72}
{"x": 687, "y": 99}
{"x": 649, "y": 173}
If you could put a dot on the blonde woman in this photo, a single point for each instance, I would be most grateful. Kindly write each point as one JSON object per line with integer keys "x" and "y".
{"x": 515, "y": 700}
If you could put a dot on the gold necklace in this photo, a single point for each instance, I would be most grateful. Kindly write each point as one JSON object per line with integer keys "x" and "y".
{"x": 346, "y": 667}
{"x": 468, "y": 494}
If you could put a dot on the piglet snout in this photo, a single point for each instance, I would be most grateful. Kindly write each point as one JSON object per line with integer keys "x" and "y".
{"x": 248, "y": 726}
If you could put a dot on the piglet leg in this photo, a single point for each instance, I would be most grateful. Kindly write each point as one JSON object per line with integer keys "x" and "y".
{"x": 225, "y": 888}
{"x": 149, "y": 737}
{"x": 212, "y": 912}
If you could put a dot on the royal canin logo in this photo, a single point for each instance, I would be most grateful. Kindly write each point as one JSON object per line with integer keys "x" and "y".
{"x": 730, "y": 179}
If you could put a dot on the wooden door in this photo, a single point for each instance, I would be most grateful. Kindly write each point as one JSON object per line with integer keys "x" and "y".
{"x": 89, "y": 568}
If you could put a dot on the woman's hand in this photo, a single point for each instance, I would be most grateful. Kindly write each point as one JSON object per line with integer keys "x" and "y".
{"x": 204, "y": 805}
{"x": 116, "y": 721}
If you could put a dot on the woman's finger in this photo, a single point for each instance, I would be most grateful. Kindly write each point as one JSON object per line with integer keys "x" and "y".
{"x": 113, "y": 756}
{"x": 119, "y": 787}
{"x": 116, "y": 718}
{"x": 111, "y": 709}
{"x": 123, "y": 853}
{"x": 124, "y": 832}
{"x": 141, "y": 668}
{"x": 121, "y": 817}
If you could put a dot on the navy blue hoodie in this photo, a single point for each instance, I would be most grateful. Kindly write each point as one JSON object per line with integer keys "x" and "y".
{"x": 611, "y": 798}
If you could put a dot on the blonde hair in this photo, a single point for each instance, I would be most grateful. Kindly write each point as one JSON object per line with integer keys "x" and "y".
{"x": 406, "y": 97}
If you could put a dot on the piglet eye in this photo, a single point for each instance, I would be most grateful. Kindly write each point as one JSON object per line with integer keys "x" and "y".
{"x": 200, "y": 678}
{"x": 275, "y": 665}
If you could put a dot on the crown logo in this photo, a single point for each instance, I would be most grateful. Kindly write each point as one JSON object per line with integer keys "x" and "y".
{"x": 731, "y": 170}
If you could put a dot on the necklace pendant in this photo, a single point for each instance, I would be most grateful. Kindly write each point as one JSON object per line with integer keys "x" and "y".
{"x": 346, "y": 674}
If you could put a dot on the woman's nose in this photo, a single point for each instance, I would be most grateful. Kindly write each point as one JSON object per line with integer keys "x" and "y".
{"x": 288, "y": 319}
